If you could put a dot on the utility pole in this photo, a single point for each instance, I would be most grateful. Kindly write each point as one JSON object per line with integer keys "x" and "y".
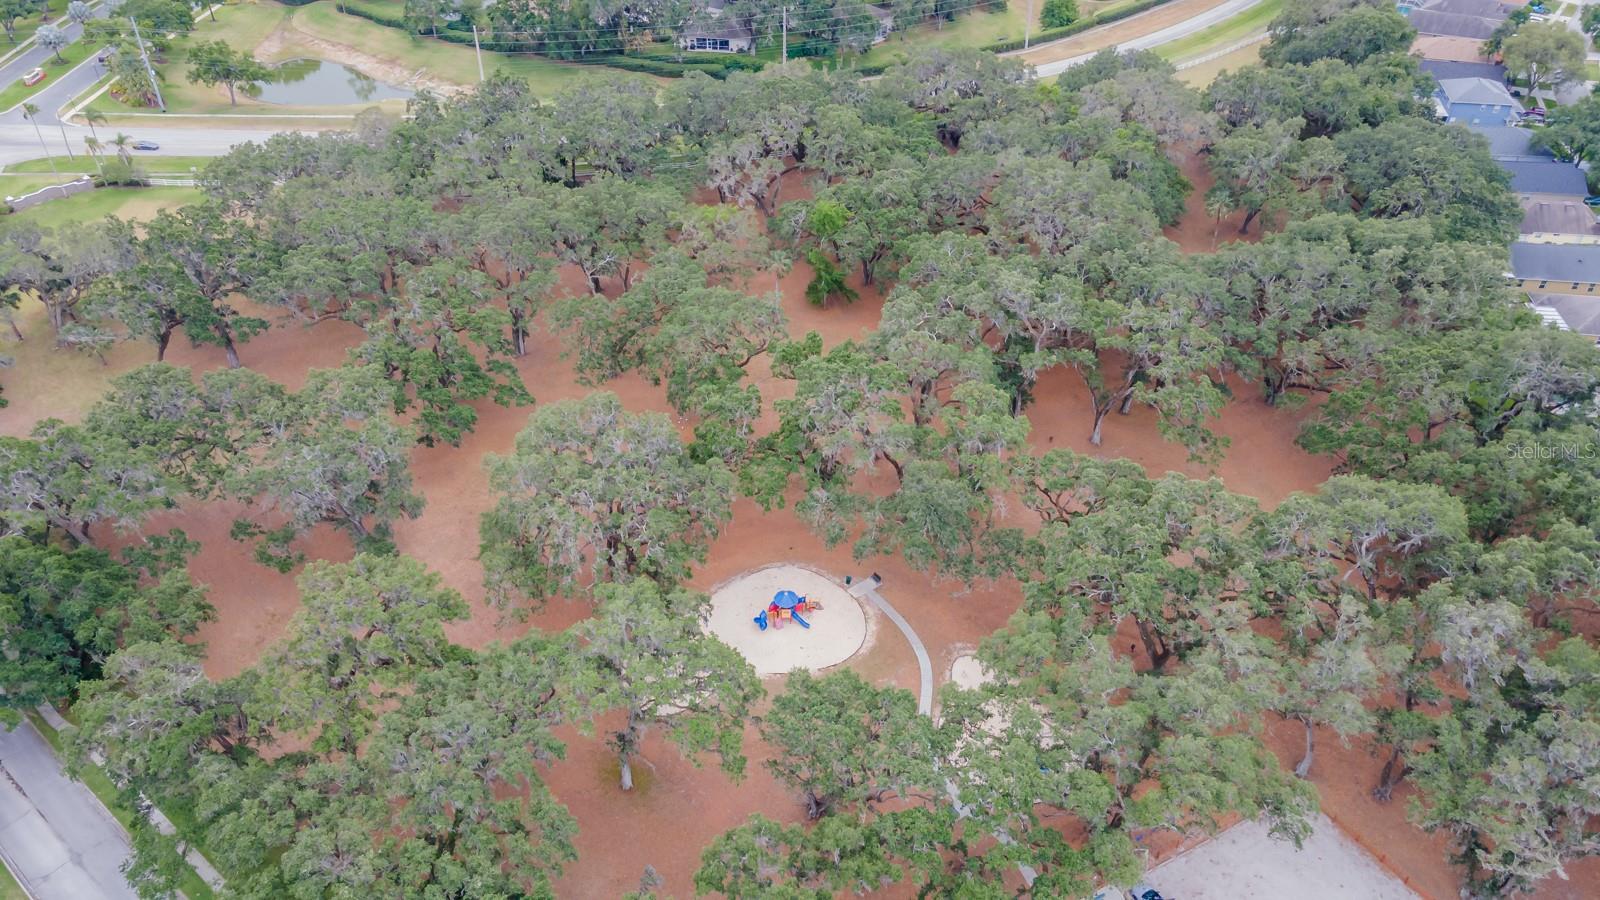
{"x": 31, "y": 113}
{"x": 1027, "y": 26}
{"x": 786, "y": 36}
{"x": 478, "y": 50}
{"x": 64, "y": 137}
{"x": 154, "y": 85}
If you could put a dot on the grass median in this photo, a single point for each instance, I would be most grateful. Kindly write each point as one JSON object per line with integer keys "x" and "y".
{"x": 1229, "y": 31}
{"x": 71, "y": 55}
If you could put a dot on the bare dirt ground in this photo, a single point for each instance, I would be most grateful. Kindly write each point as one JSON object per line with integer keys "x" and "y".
{"x": 1097, "y": 39}
{"x": 677, "y": 809}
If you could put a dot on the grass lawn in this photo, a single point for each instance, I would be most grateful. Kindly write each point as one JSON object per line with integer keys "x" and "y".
{"x": 1202, "y": 75}
{"x": 1591, "y": 71}
{"x": 154, "y": 165}
{"x": 9, "y": 889}
{"x": 27, "y": 25}
{"x": 17, "y": 185}
{"x": 974, "y": 29}
{"x": 122, "y": 202}
{"x": 1229, "y": 31}
{"x": 72, "y": 54}
{"x": 449, "y": 62}
{"x": 96, "y": 780}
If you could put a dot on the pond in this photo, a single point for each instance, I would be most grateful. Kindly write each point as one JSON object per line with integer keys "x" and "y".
{"x": 317, "y": 82}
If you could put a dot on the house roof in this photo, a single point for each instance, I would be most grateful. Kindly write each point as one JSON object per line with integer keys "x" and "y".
{"x": 1545, "y": 177}
{"x": 1558, "y": 217}
{"x": 1460, "y": 49}
{"x": 1441, "y": 69}
{"x": 1508, "y": 142}
{"x": 1488, "y": 9}
{"x": 1578, "y": 263}
{"x": 1428, "y": 21}
{"x": 716, "y": 27}
{"x": 1481, "y": 91}
{"x": 881, "y": 13}
{"x": 1580, "y": 314}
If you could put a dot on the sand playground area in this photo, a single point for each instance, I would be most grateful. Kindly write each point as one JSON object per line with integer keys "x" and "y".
{"x": 838, "y": 627}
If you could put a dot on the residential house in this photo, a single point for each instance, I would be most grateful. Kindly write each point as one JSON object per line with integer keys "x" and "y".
{"x": 1476, "y": 101}
{"x": 885, "y": 17}
{"x": 1545, "y": 179}
{"x": 1441, "y": 69}
{"x": 1569, "y": 313}
{"x": 1508, "y": 143}
{"x": 1454, "y": 29}
{"x": 711, "y": 33}
{"x": 1556, "y": 268}
{"x": 1559, "y": 221}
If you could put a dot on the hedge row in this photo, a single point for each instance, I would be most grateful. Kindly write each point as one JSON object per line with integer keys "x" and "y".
{"x": 372, "y": 17}
{"x": 1105, "y": 18}
{"x": 661, "y": 63}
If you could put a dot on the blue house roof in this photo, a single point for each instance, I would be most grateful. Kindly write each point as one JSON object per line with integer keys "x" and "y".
{"x": 1556, "y": 262}
{"x": 1545, "y": 177}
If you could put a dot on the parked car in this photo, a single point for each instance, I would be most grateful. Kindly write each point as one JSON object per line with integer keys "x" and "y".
{"x": 1145, "y": 892}
{"x": 146, "y": 145}
{"x": 1592, "y": 201}
{"x": 34, "y": 77}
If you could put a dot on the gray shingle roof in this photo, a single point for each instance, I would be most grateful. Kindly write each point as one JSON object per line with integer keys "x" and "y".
{"x": 1557, "y": 263}
{"x": 1477, "y": 90}
{"x": 1509, "y": 142}
{"x": 1488, "y": 9}
{"x": 1545, "y": 177}
{"x": 1582, "y": 314}
{"x": 1428, "y": 21}
{"x": 1441, "y": 69}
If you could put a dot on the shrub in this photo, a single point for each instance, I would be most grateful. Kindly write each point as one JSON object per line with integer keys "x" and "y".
{"x": 1058, "y": 13}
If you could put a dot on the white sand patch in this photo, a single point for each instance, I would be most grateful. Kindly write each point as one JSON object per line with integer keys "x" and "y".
{"x": 968, "y": 673}
{"x": 838, "y": 630}
{"x": 1245, "y": 862}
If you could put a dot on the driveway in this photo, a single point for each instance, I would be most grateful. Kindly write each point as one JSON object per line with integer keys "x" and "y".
{"x": 56, "y": 836}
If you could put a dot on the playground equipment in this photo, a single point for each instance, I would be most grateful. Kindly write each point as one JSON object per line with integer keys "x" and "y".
{"x": 786, "y": 606}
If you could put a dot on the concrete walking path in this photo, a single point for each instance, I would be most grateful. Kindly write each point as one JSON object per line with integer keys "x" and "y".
{"x": 867, "y": 588}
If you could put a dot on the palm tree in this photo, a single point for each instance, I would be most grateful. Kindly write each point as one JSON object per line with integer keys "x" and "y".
{"x": 93, "y": 145}
{"x": 121, "y": 142}
{"x": 31, "y": 113}
{"x": 90, "y": 117}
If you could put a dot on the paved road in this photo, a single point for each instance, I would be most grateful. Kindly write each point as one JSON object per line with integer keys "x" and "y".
{"x": 55, "y": 833}
{"x": 35, "y": 56}
{"x": 1183, "y": 29}
{"x": 18, "y": 142}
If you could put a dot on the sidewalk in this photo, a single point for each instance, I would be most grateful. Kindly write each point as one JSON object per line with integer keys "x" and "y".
{"x": 56, "y": 836}
{"x": 1144, "y": 31}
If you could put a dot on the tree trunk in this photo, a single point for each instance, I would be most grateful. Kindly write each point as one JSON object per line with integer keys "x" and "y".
{"x": 1304, "y": 768}
{"x": 1126, "y": 406}
{"x": 228, "y": 348}
{"x": 1100, "y": 412}
{"x": 1394, "y": 772}
{"x": 519, "y": 336}
{"x": 232, "y": 100}
{"x": 594, "y": 284}
{"x": 627, "y": 770}
{"x": 15, "y": 331}
{"x": 162, "y": 339}
{"x": 1244, "y": 227}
